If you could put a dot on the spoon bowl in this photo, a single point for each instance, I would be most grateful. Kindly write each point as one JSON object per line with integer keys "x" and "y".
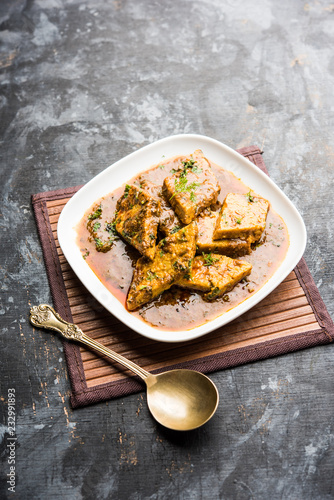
{"x": 181, "y": 399}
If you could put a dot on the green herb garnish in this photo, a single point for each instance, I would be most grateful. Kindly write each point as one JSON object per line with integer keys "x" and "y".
{"x": 188, "y": 275}
{"x": 96, "y": 214}
{"x": 111, "y": 227}
{"x": 249, "y": 196}
{"x": 208, "y": 259}
{"x": 126, "y": 190}
{"x": 188, "y": 163}
{"x": 182, "y": 186}
{"x": 179, "y": 267}
{"x": 150, "y": 275}
{"x": 196, "y": 169}
{"x": 98, "y": 242}
{"x": 213, "y": 293}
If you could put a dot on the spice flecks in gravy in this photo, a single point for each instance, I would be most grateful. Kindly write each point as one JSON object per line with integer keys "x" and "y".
{"x": 181, "y": 309}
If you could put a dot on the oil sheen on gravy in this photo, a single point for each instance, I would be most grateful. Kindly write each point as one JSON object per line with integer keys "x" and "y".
{"x": 180, "y": 309}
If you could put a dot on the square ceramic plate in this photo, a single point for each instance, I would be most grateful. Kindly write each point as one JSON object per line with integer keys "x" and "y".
{"x": 122, "y": 171}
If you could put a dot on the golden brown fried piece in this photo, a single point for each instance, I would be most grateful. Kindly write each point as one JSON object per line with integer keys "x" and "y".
{"x": 172, "y": 260}
{"x": 206, "y": 224}
{"x": 169, "y": 222}
{"x": 192, "y": 188}
{"x": 242, "y": 216}
{"x": 215, "y": 274}
{"x": 137, "y": 219}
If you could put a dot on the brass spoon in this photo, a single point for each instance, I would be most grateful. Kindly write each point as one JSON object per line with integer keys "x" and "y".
{"x": 181, "y": 400}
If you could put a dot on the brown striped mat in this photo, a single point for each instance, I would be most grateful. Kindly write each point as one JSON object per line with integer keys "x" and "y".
{"x": 292, "y": 317}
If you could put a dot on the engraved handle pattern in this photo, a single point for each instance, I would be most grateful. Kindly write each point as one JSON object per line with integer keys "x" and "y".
{"x": 44, "y": 316}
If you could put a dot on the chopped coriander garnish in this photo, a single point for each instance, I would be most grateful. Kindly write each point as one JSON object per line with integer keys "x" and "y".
{"x": 150, "y": 275}
{"x": 213, "y": 293}
{"x": 196, "y": 169}
{"x": 126, "y": 190}
{"x": 188, "y": 163}
{"x": 182, "y": 186}
{"x": 188, "y": 275}
{"x": 250, "y": 196}
{"x": 96, "y": 226}
{"x": 98, "y": 242}
{"x": 96, "y": 214}
{"x": 208, "y": 259}
{"x": 192, "y": 197}
{"x": 178, "y": 267}
{"x": 111, "y": 227}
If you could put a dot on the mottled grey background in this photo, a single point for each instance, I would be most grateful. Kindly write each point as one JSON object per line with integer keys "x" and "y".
{"x": 83, "y": 83}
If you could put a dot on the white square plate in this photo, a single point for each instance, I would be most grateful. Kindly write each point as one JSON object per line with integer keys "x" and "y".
{"x": 122, "y": 171}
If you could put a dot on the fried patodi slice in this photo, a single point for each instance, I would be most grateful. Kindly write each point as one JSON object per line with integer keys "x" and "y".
{"x": 215, "y": 274}
{"x": 192, "y": 188}
{"x": 137, "y": 219}
{"x": 172, "y": 260}
{"x": 169, "y": 222}
{"x": 242, "y": 216}
{"x": 205, "y": 243}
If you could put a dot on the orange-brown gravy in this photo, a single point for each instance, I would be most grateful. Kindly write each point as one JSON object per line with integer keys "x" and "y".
{"x": 180, "y": 309}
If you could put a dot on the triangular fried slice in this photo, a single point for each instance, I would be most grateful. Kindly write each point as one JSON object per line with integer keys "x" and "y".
{"x": 242, "y": 216}
{"x": 173, "y": 259}
{"x": 215, "y": 274}
{"x": 137, "y": 219}
{"x": 205, "y": 243}
{"x": 193, "y": 188}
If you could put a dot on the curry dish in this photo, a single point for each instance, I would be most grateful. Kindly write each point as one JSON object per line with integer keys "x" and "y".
{"x": 183, "y": 242}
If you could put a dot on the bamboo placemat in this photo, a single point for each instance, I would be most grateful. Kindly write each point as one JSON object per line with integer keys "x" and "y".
{"x": 292, "y": 317}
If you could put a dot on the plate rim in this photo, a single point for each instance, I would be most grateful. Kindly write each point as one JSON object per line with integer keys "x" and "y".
{"x": 109, "y": 301}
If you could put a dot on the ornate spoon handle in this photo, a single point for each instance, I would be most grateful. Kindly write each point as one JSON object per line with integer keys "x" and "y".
{"x": 44, "y": 316}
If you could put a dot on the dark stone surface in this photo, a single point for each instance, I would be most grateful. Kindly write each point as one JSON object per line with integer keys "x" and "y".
{"x": 83, "y": 83}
